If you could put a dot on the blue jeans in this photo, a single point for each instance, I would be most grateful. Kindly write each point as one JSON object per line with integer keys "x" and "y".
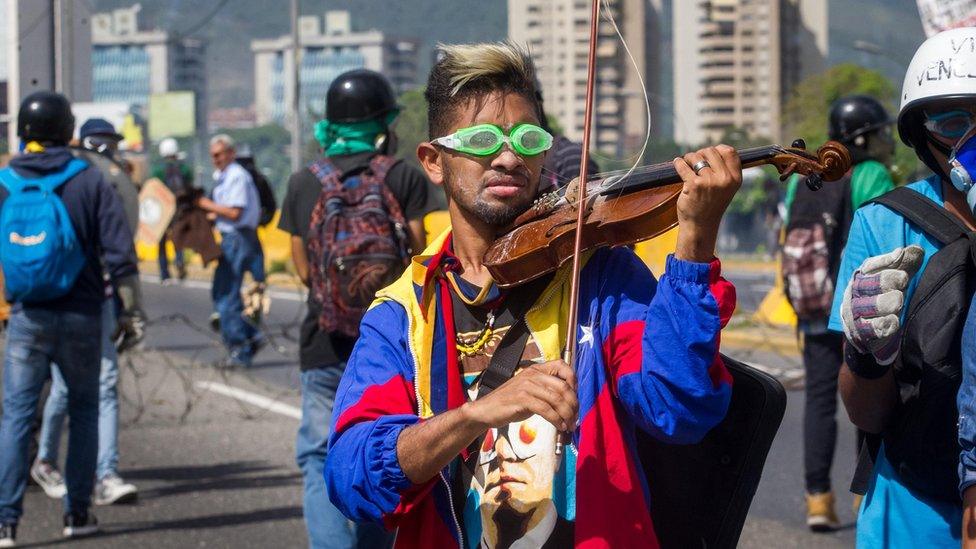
{"x": 35, "y": 339}
{"x": 108, "y": 405}
{"x": 257, "y": 264}
{"x": 241, "y": 250}
{"x": 327, "y": 527}
{"x": 164, "y": 261}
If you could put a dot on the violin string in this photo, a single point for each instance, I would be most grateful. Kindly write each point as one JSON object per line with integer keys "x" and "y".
{"x": 561, "y": 181}
{"x": 661, "y": 169}
{"x": 647, "y": 100}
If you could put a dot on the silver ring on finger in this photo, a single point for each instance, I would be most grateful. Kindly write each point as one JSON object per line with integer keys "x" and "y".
{"x": 697, "y": 167}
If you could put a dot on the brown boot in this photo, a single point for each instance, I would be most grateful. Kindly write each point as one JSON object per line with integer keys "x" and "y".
{"x": 820, "y": 512}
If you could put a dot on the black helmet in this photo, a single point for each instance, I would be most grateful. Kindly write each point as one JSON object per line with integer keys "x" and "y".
{"x": 359, "y": 95}
{"x": 45, "y": 116}
{"x": 855, "y": 115}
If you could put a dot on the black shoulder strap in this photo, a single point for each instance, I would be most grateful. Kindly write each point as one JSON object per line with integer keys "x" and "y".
{"x": 929, "y": 216}
{"x": 509, "y": 351}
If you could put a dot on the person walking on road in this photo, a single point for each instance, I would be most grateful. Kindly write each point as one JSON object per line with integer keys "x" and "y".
{"x": 237, "y": 208}
{"x": 817, "y": 224}
{"x": 99, "y": 144}
{"x": 178, "y": 178}
{"x": 360, "y": 107}
{"x": 61, "y": 227}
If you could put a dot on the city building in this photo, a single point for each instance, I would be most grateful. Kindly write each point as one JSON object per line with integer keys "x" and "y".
{"x": 556, "y": 34}
{"x": 130, "y": 64}
{"x": 741, "y": 42}
{"x": 737, "y": 61}
{"x": 325, "y": 53}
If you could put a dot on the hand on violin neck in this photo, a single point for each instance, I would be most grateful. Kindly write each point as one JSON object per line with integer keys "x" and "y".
{"x": 705, "y": 197}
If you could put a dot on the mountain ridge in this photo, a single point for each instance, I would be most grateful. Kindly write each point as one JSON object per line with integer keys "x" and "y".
{"x": 232, "y": 65}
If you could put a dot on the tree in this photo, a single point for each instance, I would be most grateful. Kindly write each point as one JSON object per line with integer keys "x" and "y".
{"x": 806, "y": 112}
{"x": 753, "y": 192}
{"x": 269, "y": 145}
{"x": 411, "y": 126}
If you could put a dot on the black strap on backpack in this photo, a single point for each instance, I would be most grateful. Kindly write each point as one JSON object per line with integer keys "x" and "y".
{"x": 929, "y": 216}
{"x": 920, "y": 441}
{"x": 507, "y": 355}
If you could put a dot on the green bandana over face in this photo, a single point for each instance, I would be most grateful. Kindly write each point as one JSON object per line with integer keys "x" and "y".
{"x": 341, "y": 138}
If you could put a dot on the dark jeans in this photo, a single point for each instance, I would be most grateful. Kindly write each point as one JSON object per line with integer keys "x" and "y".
{"x": 822, "y": 357}
{"x": 164, "y": 261}
{"x": 35, "y": 339}
{"x": 241, "y": 251}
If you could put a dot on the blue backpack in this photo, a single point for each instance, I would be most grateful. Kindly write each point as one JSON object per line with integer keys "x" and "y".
{"x": 39, "y": 251}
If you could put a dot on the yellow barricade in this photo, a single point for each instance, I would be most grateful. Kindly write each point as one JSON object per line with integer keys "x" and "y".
{"x": 276, "y": 244}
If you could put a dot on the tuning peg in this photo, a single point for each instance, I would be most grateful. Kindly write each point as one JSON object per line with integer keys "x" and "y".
{"x": 799, "y": 144}
{"x": 815, "y": 181}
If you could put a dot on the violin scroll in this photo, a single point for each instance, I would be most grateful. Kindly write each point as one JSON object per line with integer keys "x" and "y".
{"x": 835, "y": 159}
{"x": 830, "y": 163}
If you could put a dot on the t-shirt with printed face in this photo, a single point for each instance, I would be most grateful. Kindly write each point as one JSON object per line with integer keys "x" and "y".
{"x": 513, "y": 489}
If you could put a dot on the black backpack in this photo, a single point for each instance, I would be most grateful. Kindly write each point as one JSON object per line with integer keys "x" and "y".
{"x": 174, "y": 180}
{"x": 268, "y": 203}
{"x": 815, "y": 237}
{"x": 921, "y": 440}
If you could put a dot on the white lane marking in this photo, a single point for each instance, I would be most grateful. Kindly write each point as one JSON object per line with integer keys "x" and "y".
{"x": 780, "y": 373}
{"x": 262, "y": 401}
{"x": 201, "y": 285}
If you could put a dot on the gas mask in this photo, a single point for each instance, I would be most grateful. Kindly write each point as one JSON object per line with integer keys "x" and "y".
{"x": 962, "y": 167}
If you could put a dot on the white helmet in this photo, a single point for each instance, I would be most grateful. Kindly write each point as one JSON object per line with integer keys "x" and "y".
{"x": 943, "y": 68}
{"x": 168, "y": 147}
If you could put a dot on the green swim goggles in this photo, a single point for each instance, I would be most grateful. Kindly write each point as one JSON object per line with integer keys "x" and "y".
{"x": 487, "y": 139}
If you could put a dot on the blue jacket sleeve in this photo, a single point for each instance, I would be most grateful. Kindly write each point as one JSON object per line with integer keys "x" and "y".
{"x": 966, "y": 402}
{"x": 374, "y": 403}
{"x": 661, "y": 342}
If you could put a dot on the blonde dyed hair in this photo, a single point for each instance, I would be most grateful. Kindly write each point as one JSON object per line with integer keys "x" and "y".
{"x": 464, "y": 71}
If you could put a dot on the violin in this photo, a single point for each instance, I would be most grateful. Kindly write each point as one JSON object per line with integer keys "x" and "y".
{"x": 630, "y": 206}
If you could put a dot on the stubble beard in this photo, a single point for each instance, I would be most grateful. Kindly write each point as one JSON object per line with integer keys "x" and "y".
{"x": 498, "y": 216}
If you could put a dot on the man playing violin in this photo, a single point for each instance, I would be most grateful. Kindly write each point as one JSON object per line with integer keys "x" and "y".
{"x": 417, "y": 445}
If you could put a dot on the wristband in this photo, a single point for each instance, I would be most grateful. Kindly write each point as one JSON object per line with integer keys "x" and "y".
{"x": 863, "y": 365}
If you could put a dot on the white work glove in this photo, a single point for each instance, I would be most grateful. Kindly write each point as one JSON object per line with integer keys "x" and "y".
{"x": 874, "y": 299}
{"x": 257, "y": 302}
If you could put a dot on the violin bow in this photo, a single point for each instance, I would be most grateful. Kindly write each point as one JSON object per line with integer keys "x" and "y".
{"x": 571, "y": 344}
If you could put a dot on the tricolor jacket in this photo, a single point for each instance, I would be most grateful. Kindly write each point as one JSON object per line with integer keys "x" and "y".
{"x": 647, "y": 359}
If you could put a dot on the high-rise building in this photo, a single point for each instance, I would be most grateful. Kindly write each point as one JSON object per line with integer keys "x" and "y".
{"x": 659, "y": 74}
{"x": 556, "y": 34}
{"x": 129, "y": 64}
{"x": 324, "y": 55}
{"x": 737, "y": 61}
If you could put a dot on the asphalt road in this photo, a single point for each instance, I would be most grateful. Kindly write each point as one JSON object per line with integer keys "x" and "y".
{"x": 218, "y": 471}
